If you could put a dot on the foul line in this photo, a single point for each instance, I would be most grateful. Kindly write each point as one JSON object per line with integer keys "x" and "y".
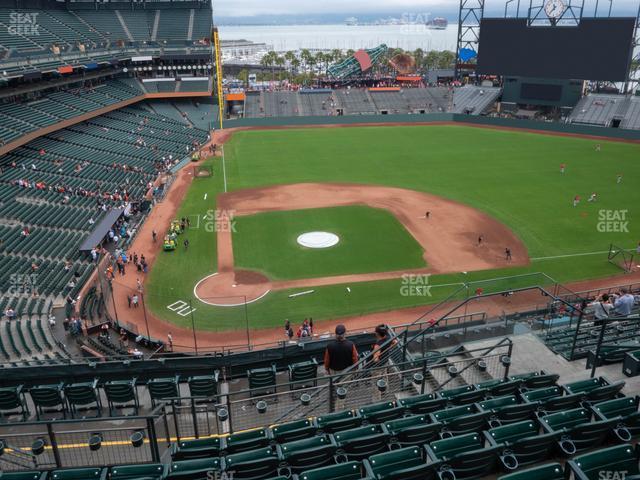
{"x": 570, "y": 255}
{"x": 224, "y": 170}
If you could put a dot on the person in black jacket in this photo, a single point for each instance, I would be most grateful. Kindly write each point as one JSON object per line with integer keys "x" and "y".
{"x": 340, "y": 353}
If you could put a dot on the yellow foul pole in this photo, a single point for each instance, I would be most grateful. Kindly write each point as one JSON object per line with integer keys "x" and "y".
{"x": 218, "y": 62}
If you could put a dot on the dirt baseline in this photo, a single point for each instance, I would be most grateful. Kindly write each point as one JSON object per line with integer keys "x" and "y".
{"x": 449, "y": 236}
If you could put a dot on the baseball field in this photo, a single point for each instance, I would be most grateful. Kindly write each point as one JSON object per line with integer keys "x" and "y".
{"x": 486, "y": 190}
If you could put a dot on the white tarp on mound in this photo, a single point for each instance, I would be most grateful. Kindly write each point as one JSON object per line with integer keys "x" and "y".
{"x": 318, "y": 239}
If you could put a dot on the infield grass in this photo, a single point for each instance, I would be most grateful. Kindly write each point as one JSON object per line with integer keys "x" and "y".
{"x": 371, "y": 240}
{"x": 513, "y": 176}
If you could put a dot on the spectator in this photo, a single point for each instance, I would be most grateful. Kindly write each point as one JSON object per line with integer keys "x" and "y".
{"x": 601, "y": 308}
{"x": 383, "y": 345}
{"x": 340, "y": 353}
{"x": 10, "y": 314}
{"x": 624, "y": 302}
{"x": 304, "y": 330}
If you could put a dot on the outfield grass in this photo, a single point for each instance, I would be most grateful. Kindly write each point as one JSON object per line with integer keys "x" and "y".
{"x": 371, "y": 240}
{"x": 513, "y": 176}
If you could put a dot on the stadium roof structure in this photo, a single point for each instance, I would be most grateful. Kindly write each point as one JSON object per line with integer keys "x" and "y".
{"x": 101, "y": 229}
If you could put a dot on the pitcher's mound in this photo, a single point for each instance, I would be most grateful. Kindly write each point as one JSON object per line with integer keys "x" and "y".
{"x": 229, "y": 289}
{"x": 318, "y": 239}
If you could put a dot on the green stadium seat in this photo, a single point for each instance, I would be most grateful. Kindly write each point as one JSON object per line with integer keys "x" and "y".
{"x": 25, "y": 475}
{"x": 453, "y": 392}
{"x": 309, "y": 453}
{"x": 413, "y": 430}
{"x": 408, "y": 463}
{"x": 459, "y": 420}
{"x": 613, "y": 463}
{"x": 303, "y": 374}
{"x": 577, "y": 429}
{"x": 79, "y": 474}
{"x": 48, "y": 397}
{"x": 595, "y": 389}
{"x": 12, "y": 402}
{"x": 262, "y": 381}
{"x": 535, "y": 380}
{"x": 197, "y": 469}
{"x": 464, "y": 456}
{"x": 587, "y": 385}
{"x": 550, "y": 471}
{"x": 421, "y": 404}
{"x": 122, "y": 394}
{"x": 83, "y": 395}
{"x": 463, "y": 395}
{"x": 253, "y": 464}
{"x": 243, "y": 441}
{"x": 288, "y": 432}
{"x": 507, "y": 409}
{"x": 551, "y": 399}
{"x": 342, "y": 471}
{"x": 197, "y": 448}
{"x": 362, "y": 442}
{"x": 163, "y": 389}
{"x": 626, "y": 410}
{"x": 522, "y": 444}
{"x": 499, "y": 387}
{"x": 149, "y": 471}
{"x": 335, "y": 422}
{"x": 380, "y": 412}
{"x": 204, "y": 386}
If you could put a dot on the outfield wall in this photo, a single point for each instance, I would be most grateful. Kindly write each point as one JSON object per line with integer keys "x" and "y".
{"x": 551, "y": 127}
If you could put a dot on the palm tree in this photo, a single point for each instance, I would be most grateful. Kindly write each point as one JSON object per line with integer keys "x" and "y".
{"x": 307, "y": 57}
{"x": 336, "y": 55}
{"x": 290, "y": 56}
{"x": 295, "y": 64}
{"x": 279, "y": 61}
{"x": 418, "y": 55}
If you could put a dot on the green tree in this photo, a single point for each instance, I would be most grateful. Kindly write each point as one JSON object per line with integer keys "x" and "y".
{"x": 243, "y": 76}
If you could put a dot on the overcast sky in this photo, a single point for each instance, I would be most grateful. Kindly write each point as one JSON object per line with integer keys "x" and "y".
{"x": 248, "y": 8}
{"x": 301, "y": 7}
